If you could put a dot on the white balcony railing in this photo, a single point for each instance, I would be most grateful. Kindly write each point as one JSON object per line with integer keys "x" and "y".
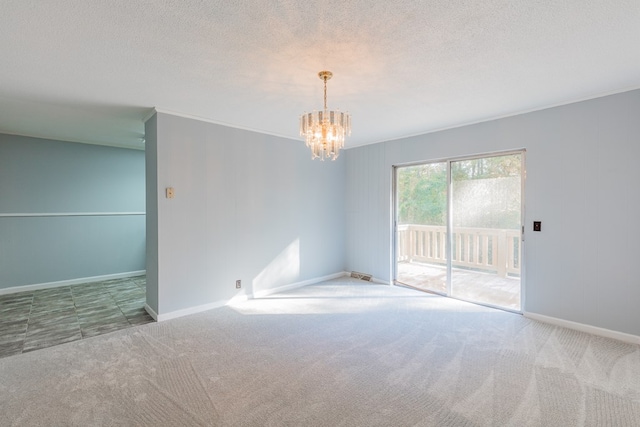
{"x": 485, "y": 249}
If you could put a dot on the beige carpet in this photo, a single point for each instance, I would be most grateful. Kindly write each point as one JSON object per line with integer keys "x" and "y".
{"x": 342, "y": 353}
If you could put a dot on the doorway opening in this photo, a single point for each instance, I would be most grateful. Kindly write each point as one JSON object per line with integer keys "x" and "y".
{"x": 458, "y": 228}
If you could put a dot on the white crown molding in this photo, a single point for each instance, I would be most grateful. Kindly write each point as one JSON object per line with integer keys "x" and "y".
{"x": 503, "y": 116}
{"x": 111, "y": 144}
{"x": 217, "y": 122}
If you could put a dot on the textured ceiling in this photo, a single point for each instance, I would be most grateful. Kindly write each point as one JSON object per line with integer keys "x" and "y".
{"x": 91, "y": 70}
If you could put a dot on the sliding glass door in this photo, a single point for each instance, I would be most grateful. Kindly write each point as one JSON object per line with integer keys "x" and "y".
{"x": 459, "y": 228}
{"x": 421, "y": 194}
{"x": 486, "y": 225}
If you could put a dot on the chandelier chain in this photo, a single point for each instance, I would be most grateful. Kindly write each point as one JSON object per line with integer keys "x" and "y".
{"x": 325, "y": 93}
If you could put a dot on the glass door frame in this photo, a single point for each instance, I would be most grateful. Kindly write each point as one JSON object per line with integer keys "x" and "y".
{"x": 449, "y": 242}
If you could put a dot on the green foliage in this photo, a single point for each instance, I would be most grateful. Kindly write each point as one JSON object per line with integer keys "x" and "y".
{"x": 422, "y": 194}
{"x": 486, "y": 167}
{"x": 422, "y": 191}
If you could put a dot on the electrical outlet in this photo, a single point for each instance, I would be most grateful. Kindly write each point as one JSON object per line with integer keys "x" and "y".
{"x": 238, "y": 284}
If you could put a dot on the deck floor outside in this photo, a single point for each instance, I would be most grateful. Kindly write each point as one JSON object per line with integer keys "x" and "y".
{"x": 484, "y": 288}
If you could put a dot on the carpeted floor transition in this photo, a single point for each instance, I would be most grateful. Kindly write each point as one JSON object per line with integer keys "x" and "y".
{"x": 340, "y": 353}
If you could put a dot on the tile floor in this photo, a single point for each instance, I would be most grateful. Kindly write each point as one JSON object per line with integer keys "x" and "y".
{"x": 37, "y": 319}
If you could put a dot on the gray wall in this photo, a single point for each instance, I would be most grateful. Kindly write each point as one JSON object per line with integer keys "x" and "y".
{"x": 151, "y": 226}
{"x": 247, "y": 206}
{"x": 49, "y": 193}
{"x": 582, "y": 183}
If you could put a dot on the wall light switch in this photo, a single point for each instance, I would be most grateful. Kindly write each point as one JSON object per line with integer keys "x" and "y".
{"x": 170, "y": 193}
{"x": 537, "y": 225}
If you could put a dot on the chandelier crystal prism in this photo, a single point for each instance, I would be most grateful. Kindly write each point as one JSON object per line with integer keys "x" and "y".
{"x": 324, "y": 131}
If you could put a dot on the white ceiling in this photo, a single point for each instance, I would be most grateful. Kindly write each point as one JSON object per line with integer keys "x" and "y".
{"x": 91, "y": 70}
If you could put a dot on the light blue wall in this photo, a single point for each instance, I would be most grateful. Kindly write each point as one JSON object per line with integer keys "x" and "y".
{"x": 247, "y": 206}
{"x": 49, "y": 193}
{"x": 582, "y": 183}
{"x": 151, "y": 177}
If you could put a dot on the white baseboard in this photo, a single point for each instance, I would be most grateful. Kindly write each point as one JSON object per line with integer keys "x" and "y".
{"x": 188, "y": 311}
{"x": 151, "y": 312}
{"x": 266, "y": 292}
{"x": 602, "y": 332}
{"x": 70, "y": 282}
{"x": 380, "y": 281}
{"x": 238, "y": 298}
{"x": 194, "y": 310}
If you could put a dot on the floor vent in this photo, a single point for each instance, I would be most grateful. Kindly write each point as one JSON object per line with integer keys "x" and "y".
{"x": 361, "y": 276}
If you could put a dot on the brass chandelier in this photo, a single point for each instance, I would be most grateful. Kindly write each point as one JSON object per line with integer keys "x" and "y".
{"x": 324, "y": 131}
